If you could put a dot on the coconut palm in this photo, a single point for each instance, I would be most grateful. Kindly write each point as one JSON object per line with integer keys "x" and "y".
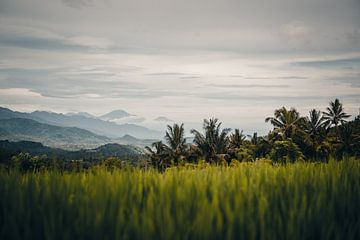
{"x": 315, "y": 140}
{"x": 214, "y": 141}
{"x": 176, "y": 141}
{"x": 260, "y": 145}
{"x": 335, "y": 114}
{"x": 159, "y": 157}
{"x": 315, "y": 125}
{"x": 286, "y": 122}
{"x": 236, "y": 139}
{"x": 346, "y": 140}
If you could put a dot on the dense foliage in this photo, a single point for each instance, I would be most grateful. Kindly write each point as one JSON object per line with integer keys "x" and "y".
{"x": 315, "y": 137}
{"x": 32, "y": 156}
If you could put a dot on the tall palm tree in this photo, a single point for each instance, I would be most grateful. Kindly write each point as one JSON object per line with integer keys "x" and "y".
{"x": 287, "y": 122}
{"x": 316, "y": 138}
{"x": 176, "y": 141}
{"x": 315, "y": 125}
{"x": 260, "y": 145}
{"x": 159, "y": 157}
{"x": 236, "y": 139}
{"x": 214, "y": 141}
{"x": 335, "y": 114}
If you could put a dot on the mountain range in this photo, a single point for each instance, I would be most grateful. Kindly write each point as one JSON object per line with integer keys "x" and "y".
{"x": 124, "y": 152}
{"x": 19, "y": 129}
{"x": 93, "y": 124}
{"x": 72, "y": 131}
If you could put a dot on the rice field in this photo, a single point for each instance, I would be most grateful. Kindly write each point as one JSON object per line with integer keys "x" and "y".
{"x": 246, "y": 201}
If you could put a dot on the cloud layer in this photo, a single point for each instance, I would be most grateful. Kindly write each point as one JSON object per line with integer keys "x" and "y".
{"x": 187, "y": 60}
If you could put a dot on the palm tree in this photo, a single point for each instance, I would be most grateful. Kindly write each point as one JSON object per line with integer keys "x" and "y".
{"x": 315, "y": 125}
{"x": 236, "y": 139}
{"x": 346, "y": 140}
{"x": 287, "y": 122}
{"x": 260, "y": 145}
{"x": 176, "y": 141}
{"x": 159, "y": 157}
{"x": 214, "y": 141}
{"x": 335, "y": 114}
{"x": 316, "y": 144}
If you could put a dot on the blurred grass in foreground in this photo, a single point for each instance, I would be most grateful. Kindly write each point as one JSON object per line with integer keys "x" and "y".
{"x": 246, "y": 201}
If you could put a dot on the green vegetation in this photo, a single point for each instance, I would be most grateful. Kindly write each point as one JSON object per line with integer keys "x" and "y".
{"x": 314, "y": 138}
{"x": 70, "y": 138}
{"x": 301, "y": 181}
{"x": 243, "y": 201}
{"x": 32, "y": 156}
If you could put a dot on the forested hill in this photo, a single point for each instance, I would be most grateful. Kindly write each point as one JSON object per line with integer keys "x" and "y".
{"x": 71, "y": 138}
{"x": 124, "y": 152}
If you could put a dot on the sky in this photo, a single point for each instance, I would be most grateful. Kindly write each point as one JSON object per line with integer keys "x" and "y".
{"x": 237, "y": 60}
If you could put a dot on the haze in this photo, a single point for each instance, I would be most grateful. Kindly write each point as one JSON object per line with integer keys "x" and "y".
{"x": 186, "y": 60}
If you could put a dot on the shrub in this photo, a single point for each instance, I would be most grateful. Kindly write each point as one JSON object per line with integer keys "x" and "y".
{"x": 112, "y": 163}
{"x": 244, "y": 154}
{"x": 285, "y": 151}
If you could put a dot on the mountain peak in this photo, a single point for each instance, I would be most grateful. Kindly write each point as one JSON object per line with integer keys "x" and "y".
{"x": 163, "y": 119}
{"x": 116, "y": 114}
{"x": 83, "y": 114}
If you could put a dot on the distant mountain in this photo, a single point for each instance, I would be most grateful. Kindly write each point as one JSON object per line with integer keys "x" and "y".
{"x": 8, "y": 149}
{"x": 97, "y": 126}
{"x": 116, "y": 114}
{"x": 6, "y": 113}
{"x": 127, "y": 139}
{"x": 116, "y": 150}
{"x": 163, "y": 119}
{"x": 17, "y": 129}
{"x": 84, "y": 114}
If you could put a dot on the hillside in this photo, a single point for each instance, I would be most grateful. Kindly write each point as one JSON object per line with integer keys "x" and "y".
{"x": 95, "y": 125}
{"x": 17, "y": 129}
{"x": 124, "y": 152}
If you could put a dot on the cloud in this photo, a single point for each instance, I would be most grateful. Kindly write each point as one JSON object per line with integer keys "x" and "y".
{"x": 18, "y": 92}
{"x": 166, "y": 74}
{"x": 189, "y": 77}
{"x": 262, "y": 77}
{"x": 247, "y": 86}
{"x": 282, "y": 100}
{"x": 61, "y": 83}
{"x": 293, "y": 77}
{"x": 33, "y": 42}
{"x": 337, "y": 62}
{"x": 295, "y": 30}
{"x": 78, "y": 4}
{"x": 180, "y": 58}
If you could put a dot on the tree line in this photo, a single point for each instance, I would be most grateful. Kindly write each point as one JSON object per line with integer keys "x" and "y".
{"x": 315, "y": 137}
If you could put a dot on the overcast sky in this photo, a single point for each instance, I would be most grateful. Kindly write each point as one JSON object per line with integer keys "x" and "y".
{"x": 184, "y": 59}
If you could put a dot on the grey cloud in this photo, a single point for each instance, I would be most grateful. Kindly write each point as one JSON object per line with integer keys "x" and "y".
{"x": 247, "y": 86}
{"x": 78, "y": 3}
{"x": 353, "y": 79}
{"x": 57, "y": 83}
{"x": 166, "y": 74}
{"x": 236, "y": 76}
{"x": 169, "y": 27}
{"x": 33, "y": 42}
{"x": 259, "y": 78}
{"x": 227, "y": 95}
{"x": 341, "y": 62}
{"x": 190, "y": 77}
{"x": 216, "y": 39}
{"x": 293, "y": 77}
